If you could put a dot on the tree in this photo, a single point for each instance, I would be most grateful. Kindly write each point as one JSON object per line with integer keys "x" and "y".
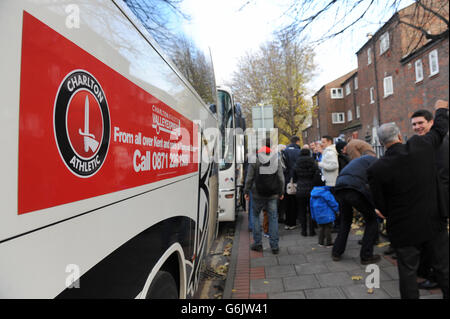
{"x": 156, "y": 16}
{"x": 276, "y": 75}
{"x": 342, "y": 16}
{"x": 193, "y": 64}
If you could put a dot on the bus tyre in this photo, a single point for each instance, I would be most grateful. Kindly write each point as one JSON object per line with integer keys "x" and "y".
{"x": 163, "y": 287}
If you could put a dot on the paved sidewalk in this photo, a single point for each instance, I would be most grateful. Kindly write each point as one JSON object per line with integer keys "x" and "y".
{"x": 303, "y": 270}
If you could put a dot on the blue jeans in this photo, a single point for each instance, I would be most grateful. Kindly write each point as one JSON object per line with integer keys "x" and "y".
{"x": 270, "y": 205}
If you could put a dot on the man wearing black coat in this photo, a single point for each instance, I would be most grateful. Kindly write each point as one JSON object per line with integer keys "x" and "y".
{"x": 405, "y": 190}
{"x": 352, "y": 191}
{"x": 290, "y": 155}
{"x": 305, "y": 173}
{"x": 422, "y": 121}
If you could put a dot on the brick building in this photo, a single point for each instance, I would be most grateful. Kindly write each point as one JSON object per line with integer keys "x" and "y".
{"x": 399, "y": 71}
{"x": 329, "y": 114}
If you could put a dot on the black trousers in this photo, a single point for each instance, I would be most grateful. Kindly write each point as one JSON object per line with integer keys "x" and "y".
{"x": 291, "y": 210}
{"x": 304, "y": 214}
{"x": 349, "y": 198}
{"x": 408, "y": 259}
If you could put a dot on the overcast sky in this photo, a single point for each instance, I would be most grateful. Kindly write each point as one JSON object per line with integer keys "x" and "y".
{"x": 230, "y": 32}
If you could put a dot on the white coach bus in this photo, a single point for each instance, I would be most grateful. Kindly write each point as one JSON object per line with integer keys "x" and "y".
{"x": 109, "y": 188}
{"x": 232, "y": 154}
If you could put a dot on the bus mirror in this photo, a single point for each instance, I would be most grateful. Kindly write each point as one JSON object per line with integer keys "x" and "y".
{"x": 213, "y": 108}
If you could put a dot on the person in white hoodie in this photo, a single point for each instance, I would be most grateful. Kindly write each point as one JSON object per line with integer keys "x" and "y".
{"x": 330, "y": 169}
{"x": 329, "y": 163}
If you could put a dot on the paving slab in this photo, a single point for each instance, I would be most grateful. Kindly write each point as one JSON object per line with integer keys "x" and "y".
{"x": 335, "y": 279}
{"x": 319, "y": 256}
{"x": 342, "y": 265}
{"x": 264, "y": 261}
{"x": 291, "y": 260}
{"x": 280, "y": 271}
{"x": 300, "y": 282}
{"x": 361, "y": 292}
{"x": 311, "y": 268}
{"x": 324, "y": 293}
{"x": 392, "y": 271}
{"x": 258, "y": 286}
{"x": 288, "y": 295}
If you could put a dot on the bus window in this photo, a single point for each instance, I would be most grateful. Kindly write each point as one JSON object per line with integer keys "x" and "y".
{"x": 225, "y": 108}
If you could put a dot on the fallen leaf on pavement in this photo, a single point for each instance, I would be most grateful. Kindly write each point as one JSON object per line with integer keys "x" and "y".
{"x": 370, "y": 291}
{"x": 356, "y": 277}
{"x": 359, "y": 232}
{"x": 383, "y": 244}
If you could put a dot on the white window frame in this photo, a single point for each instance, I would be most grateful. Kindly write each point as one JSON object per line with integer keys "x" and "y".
{"x": 384, "y": 42}
{"x": 339, "y": 94}
{"x": 355, "y": 83}
{"x": 433, "y": 58}
{"x": 349, "y": 116}
{"x": 372, "y": 95}
{"x": 338, "y": 117}
{"x": 358, "y": 111}
{"x": 418, "y": 65}
{"x": 317, "y": 122}
{"x": 348, "y": 89}
{"x": 388, "y": 86}
{"x": 369, "y": 56}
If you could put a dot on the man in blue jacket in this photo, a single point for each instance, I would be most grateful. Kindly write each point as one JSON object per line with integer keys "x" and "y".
{"x": 352, "y": 191}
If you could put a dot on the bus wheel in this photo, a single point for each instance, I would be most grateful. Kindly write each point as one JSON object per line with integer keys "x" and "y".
{"x": 163, "y": 287}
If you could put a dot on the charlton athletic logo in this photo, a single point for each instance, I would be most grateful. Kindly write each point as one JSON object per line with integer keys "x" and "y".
{"x": 82, "y": 123}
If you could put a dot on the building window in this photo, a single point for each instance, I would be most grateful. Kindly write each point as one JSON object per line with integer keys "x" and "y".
{"x": 355, "y": 84}
{"x": 388, "y": 86}
{"x": 314, "y": 100}
{"x": 358, "y": 112}
{"x": 349, "y": 116}
{"x": 348, "y": 90}
{"x": 306, "y": 134}
{"x": 336, "y": 93}
{"x": 369, "y": 56}
{"x": 372, "y": 95}
{"x": 434, "y": 62}
{"x": 318, "y": 125}
{"x": 419, "y": 70}
{"x": 337, "y": 118}
{"x": 384, "y": 43}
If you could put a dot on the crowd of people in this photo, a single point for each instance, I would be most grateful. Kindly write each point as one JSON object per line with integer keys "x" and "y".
{"x": 324, "y": 183}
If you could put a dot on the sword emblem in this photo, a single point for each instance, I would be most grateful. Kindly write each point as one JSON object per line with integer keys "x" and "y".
{"x": 89, "y": 139}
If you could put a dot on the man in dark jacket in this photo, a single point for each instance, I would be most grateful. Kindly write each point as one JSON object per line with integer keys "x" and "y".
{"x": 405, "y": 190}
{"x": 421, "y": 122}
{"x": 352, "y": 191}
{"x": 305, "y": 171}
{"x": 267, "y": 162}
{"x": 290, "y": 155}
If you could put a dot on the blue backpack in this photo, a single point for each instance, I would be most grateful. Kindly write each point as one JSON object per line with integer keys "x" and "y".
{"x": 323, "y": 205}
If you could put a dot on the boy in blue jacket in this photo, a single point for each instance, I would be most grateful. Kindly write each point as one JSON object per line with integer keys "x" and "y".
{"x": 323, "y": 209}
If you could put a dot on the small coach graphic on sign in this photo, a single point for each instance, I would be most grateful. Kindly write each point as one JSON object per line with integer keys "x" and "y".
{"x": 82, "y": 123}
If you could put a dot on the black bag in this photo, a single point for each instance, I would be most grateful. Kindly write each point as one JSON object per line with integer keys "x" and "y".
{"x": 266, "y": 184}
